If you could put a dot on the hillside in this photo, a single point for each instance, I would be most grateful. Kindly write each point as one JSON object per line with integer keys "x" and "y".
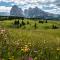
{"x": 27, "y": 42}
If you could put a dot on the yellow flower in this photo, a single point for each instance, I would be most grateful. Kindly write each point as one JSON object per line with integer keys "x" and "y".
{"x": 26, "y": 49}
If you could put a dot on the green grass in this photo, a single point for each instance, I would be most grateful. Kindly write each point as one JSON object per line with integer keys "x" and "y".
{"x": 9, "y": 24}
{"x": 42, "y": 43}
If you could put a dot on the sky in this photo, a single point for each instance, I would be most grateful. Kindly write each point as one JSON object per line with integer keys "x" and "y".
{"x": 52, "y": 6}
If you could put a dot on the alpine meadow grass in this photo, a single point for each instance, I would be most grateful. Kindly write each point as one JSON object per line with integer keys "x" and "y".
{"x": 27, "y": 42}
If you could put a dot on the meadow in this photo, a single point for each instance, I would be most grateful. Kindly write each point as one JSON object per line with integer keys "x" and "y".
{"x": 32, "y": 41}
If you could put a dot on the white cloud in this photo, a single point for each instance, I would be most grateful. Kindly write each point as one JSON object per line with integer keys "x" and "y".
{"x": 55, "y": 11}
{"x": 27, "y": 1}
{"x": 4, "y": 9}
{"x": 48, "y": 4}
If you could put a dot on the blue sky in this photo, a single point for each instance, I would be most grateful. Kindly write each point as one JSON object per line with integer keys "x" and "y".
{"x": 52, "y": 6}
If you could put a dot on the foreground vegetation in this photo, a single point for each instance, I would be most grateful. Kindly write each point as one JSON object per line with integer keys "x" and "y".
{"x": 31, "y": 41}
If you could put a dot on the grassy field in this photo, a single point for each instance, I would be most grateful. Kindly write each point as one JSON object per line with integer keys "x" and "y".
{"x": 28, "y": 42}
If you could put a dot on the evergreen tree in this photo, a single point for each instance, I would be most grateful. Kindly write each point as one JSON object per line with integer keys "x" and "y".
{"x": 35, "y": 25}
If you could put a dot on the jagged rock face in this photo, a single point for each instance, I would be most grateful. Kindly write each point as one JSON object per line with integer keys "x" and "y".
{"x": 26, "y": 13}
{"x": 38, "y": 13}
{"x": 15, "y": 11}
{"x": 31, "y": 13}
{"x": 34, "y": 12}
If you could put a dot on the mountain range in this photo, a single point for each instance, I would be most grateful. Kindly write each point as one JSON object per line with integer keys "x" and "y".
{"x": 32, "y": 13}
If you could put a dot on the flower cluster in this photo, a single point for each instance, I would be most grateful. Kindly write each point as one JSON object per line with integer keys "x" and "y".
{"x": 25, "y": 48}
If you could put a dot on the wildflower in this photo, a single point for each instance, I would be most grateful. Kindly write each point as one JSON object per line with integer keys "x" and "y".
{"x": 29, "y": 44}
{"x": 17, "y": 43}
{"x": 35, "y": 51}
{"x": 2, "y": 31}
{"x": 58, "y": 49}
{"x": 26, "y": 45}
{"x": 25, "y": 48}
{"x": 30, "y": 58}
{"x": 44, "y": 41}
{"x": 35, "y": 58}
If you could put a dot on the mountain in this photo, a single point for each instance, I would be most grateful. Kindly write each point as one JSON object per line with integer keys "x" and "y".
{"x": 15, "y": 11}
{"x": 32, "y": 13}
{"x": 38, "y": 13}
{"x": 26, "y": 13}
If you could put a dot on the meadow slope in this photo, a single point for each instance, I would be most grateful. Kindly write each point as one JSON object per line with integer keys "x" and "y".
{"x": 26, "y": 42}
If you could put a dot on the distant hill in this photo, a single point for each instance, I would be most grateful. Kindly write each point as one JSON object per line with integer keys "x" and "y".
{"x": 4, "y": 14}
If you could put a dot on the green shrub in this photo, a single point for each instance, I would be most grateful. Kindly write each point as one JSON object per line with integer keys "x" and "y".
{"x": 46, "y": 21}
{"x": 54, "y": 27}
{"x": 41, "y": 22}
{"x": 16, "y": 22}
{"x": 35, "y": 25}
{"x": 20, "y": 25}
{"x": 27, "y": 22}
{"x": 23, "y": 23}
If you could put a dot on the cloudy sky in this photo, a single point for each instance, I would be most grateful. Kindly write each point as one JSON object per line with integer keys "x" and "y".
{"x": 52, "y": 6}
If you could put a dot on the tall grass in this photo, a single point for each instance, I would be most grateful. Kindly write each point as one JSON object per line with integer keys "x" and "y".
{"x": 25, "y": 44}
